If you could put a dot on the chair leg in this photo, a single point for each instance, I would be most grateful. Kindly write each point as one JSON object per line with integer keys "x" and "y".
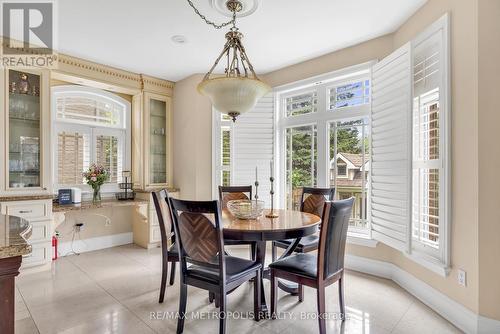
{"x": 172, "y": 273}
{"x": 274, "y": 299}
{"x": 341, "y": 298}
{"x": 256, "y": 296}
{"x": 211, "y": 297}
{"x": 300, "y": 292}
{"x": 163, "y": 284}
{"x": 321, "y": 310}
{"x": 222, "y": 313}
{"x": 182, "y": 308}
{"x": 217, "y": 300}
{"x": 273, "y": 252}
{"x": 252, "y": 251}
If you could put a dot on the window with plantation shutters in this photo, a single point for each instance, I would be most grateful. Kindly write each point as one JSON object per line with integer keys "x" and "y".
{"x": 242, "y": 146}
{"x": 90, "y": 126}
{"x": 107, "y": 155}
{"x": 410, "y": 148}
{"x": 430, "y": 143}
{"x": 73, "y": 156}
{"x": 391, "y": 149}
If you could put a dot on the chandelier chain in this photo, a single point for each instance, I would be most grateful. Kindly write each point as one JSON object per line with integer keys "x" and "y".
{"x": 207, "y": 21}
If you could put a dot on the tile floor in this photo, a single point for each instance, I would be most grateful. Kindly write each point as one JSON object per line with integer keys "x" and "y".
{"x": 116, "y": 291}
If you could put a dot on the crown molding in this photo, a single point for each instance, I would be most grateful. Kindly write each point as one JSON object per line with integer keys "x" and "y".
{"x": 77, "y": 67}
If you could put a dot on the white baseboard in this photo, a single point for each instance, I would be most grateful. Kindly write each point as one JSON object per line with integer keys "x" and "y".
{"x": 456, "y": 313}
{"x": 92, "y": 244}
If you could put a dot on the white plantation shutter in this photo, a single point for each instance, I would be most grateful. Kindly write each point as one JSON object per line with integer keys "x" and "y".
{"x": 254, "y": 145}
{"x": 391, "y": 149}
{"x": 73, "y": 156}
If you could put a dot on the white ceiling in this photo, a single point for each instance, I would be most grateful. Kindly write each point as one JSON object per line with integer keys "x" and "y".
{"x": 136, "y": 35}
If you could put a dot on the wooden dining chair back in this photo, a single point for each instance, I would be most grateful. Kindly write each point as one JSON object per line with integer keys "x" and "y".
{"x": 201, "y": 244}
{"x": 230, "y": 193}
{"x": 325, "y": 268}
{"x": 312, "y": 201}
{"x": 198, "y": 231}
{"x": 169, "y": 253}
{"x": 333, "y": 236}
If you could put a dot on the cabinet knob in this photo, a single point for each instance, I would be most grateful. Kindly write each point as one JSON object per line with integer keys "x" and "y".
{"x": 25, "y": 211}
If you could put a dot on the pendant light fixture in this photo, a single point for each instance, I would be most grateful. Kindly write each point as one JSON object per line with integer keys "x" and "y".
{"x": 239, "y": 89}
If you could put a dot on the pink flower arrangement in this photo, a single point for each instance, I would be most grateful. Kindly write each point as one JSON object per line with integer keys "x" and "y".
{"x": 96, "y": 175}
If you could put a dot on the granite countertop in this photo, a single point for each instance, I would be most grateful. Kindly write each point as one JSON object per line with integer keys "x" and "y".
{"x": 88, "y": 205}
{"x": 13, "y": 237}
{"x": 150, "y": 190}
{"x": 24, "y": 197}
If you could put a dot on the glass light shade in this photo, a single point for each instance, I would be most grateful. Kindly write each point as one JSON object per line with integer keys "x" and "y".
{"x": 233, "y": 95}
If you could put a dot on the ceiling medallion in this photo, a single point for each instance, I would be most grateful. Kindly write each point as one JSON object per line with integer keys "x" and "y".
{"x": 239, "y": 89}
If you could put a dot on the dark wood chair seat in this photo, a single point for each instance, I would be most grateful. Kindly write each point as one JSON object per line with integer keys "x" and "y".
{"x": 321, "y": 270}
{"x": 236, "y": 269}
{"x": 299, "y": 264}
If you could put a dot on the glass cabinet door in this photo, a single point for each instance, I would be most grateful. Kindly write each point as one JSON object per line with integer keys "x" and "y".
{"x": 24, "y": 130}
{"x": 158, "y": 141}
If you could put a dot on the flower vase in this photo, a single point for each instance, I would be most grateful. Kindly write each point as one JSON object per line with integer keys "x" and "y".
{"x": 96, "y": 196}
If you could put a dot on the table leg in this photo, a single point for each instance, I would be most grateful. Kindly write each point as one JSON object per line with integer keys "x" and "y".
{"x": 291, "y": 288}
{"x": 260, "y": 257}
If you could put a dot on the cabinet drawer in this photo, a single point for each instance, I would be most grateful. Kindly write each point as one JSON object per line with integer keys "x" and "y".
{"x": 39, "y": 231}
{"x": 31, "y": 209}
{"x": 155, "y": 234}
{"x": 40, "y": 253}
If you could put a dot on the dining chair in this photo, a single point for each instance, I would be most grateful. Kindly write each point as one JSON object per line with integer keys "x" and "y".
{"x": 169, "y": 254}
{"x": 325, "y": 268}
{"x": 311, "y": 201}
{"x": 201, "y": 245}
{"x": 230, "y": 193}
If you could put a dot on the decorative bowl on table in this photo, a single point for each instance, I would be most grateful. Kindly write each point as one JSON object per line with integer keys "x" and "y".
{"x": 246, "y": 209}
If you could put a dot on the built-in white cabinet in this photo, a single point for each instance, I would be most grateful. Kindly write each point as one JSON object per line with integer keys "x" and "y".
{"x": 24, "y": 132}
{"x": 151, "y": 141}
{"x": 146, "y": 226}
{"x": 39, "y": 214}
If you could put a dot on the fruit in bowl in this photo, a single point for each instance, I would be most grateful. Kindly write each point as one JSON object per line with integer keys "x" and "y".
{"x": 246, "y": 209}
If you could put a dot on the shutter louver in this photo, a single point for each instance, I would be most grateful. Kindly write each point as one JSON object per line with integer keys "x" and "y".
{"x": 391, "y": 149}
{"x": 254, "y": 146}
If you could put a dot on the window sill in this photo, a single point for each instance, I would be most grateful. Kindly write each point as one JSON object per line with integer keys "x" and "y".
{"x": 429, "y": 263}
{"x": 361, "y": 240}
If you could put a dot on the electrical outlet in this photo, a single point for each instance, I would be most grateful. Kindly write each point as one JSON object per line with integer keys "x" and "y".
{"x": 462, "y": 277}
{"x": 78, "y": 227}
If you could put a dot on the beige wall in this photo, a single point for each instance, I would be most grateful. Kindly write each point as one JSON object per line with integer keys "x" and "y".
{"x": 95, "y": 224}
{"x": 467, "y": 187}
{"x": 489, "y": 158}
{"x": 192, "y": 140}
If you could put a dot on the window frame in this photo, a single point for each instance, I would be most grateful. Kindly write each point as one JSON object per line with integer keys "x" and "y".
{"x": 322, "y": 119}
{"x": 121, "y": 130}
{"x": 218, "y": 123}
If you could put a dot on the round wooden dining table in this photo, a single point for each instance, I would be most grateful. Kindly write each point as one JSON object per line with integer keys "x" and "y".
{"x": 289, "y": 224}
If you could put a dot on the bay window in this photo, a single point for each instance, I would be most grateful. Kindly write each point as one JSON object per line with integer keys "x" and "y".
{"x": 323, "y": 127}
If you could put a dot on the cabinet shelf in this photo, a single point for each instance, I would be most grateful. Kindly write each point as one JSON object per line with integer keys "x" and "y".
{"x": 31, "y": 120}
